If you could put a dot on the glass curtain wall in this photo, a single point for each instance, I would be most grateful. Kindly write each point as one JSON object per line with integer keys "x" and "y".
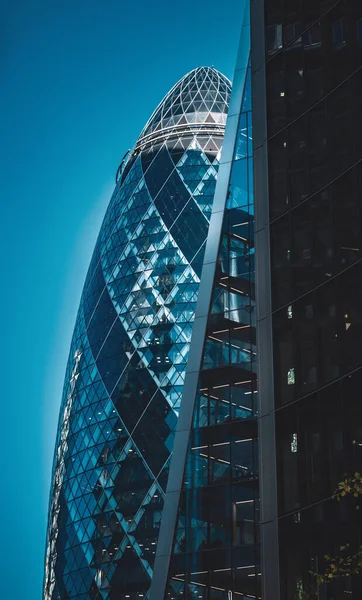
{"x": 216, "y": 545}
{"x": 129, "y": 351}
{"x": 314, "y": 82}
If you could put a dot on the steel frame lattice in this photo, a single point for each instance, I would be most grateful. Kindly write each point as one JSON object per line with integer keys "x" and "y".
{"x": 129, "y": 351}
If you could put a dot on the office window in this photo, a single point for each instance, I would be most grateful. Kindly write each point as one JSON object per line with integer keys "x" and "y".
{"x": 338, "y": 33}
{"x": 291, "y": 32}
{"x": 312, "y": 37}
{"x": 359, "y": 31}
{"x": 274, "y": 38}
{"x": 291, "y": 376}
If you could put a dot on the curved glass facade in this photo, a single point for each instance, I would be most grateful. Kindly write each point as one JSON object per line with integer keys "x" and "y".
{"x": 129, "y": 351}
{"x": 209, "y": 544}
{"x": 215, "y": 553}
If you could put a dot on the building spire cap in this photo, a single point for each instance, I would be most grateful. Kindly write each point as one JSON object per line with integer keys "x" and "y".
{"x": 200, "y": 97}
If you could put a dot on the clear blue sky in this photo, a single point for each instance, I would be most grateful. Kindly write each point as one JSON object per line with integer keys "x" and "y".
{"x": 78, "y": 81}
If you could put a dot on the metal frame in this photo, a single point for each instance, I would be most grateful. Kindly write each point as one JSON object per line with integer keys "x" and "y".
{"x": 176, "y": 130}
{"x": 266, "y": 421}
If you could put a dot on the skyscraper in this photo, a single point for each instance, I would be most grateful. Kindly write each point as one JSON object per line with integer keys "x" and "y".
{"x": 307, "y": 165}
{"x": 129, "y": 351}
{"x": 209, "y": 543}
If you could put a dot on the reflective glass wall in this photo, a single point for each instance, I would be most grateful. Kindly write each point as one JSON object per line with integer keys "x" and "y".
{"x": 129, "y": 351}
{"x": 216, "y": 545}
{"x": 313, "y": 71}
{"x": 214, "y": 552}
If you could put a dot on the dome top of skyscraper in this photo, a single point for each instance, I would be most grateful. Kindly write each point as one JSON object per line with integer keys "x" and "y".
{"x": 200, "y": 98}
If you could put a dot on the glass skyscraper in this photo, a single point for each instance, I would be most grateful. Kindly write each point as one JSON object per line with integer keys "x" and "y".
{"x": 129, "y": 351}
{"x": 209, "y": 544}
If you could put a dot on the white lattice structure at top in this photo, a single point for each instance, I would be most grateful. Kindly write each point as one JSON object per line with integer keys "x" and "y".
{"x": 200, "y": 98}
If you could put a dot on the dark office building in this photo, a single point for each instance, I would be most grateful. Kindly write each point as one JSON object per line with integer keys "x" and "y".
{"x": 263, "y": 444}
{"x": 308, "y": 173}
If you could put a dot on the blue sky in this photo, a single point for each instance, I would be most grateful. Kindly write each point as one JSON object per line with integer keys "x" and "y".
{"x": 78, "y": 81}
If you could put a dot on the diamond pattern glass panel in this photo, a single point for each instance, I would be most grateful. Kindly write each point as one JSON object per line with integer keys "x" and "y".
{"x": 129, "y": 351}
{"x": 216, "y": 552}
